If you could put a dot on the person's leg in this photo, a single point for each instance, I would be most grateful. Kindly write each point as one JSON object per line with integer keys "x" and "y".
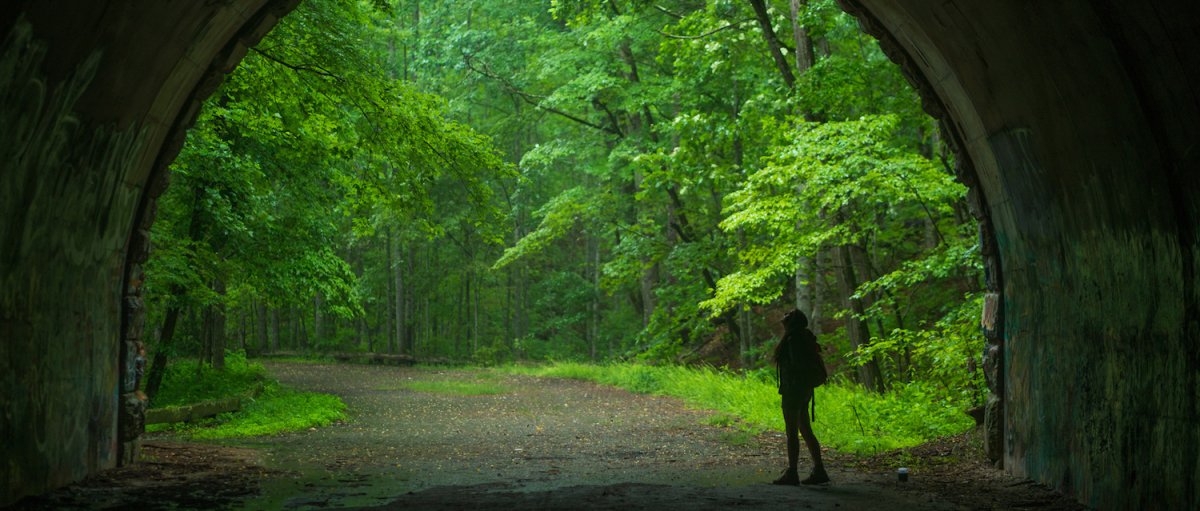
{"x": 810, "y": 440}
{"x": 791, "y": 420}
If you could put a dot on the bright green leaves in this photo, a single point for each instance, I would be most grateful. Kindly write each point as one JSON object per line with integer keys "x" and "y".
{"x": 559, "y": 217}
{"x": 304, "y": 153}
{"x": 653, "y": 175}
{"x": 831, "y": 184}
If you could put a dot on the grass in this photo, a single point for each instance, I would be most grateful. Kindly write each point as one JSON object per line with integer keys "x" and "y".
{"x": 277, "y": 409}
{"x": 847, "y": 417}
{"x": 303, "y": 359}
{"x": 456, "y": 388}
{"x": 187, "y": 382}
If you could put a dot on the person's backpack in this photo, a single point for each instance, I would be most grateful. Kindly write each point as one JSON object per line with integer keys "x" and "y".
{"x": 815, "y": 373}
{"x": 819, "y": 373}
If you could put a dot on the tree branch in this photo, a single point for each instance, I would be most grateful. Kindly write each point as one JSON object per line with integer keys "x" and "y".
{"x": 735, "y": 24}
{"x": 298, "y": 67}
{"x": 532, "y": 99}
{"x": 664, "y": 10}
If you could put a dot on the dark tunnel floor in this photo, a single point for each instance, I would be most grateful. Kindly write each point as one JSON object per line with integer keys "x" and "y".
{"x": 545, "y": 444}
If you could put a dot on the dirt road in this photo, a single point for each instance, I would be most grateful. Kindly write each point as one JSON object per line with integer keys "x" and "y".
{"x": 537, "y": 444}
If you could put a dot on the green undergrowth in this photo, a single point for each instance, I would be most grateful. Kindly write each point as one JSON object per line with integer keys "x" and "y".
{"x": 276, "y": 409}
{"x": 457, "y": 388}
{"x": 301, "y": 359}
{"x": 848, "y": 418}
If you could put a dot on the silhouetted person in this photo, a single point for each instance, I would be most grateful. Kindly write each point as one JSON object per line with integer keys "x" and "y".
{"x": 797, "y": 358}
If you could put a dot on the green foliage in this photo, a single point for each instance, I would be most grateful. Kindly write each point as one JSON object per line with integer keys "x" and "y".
{"x": 858, "y": 184}
{"x": 848, "y": 418}
{"x": 276, "y": 409}
{"x": 941, "y": 358}
{"x": 559, "y": 216}
{"x": 458, "y": 388}
{"x": 580, "y": 180}
{"x": 188, "y": 381}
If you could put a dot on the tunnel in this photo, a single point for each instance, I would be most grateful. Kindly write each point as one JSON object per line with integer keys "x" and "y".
{"x": 1074, "y": 124}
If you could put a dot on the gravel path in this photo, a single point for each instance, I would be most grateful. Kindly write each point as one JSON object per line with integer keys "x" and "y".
{"x": 545, "y": 443}
{"x": 537, "y": 444}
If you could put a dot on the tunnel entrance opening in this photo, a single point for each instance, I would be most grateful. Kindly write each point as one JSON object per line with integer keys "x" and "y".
{"x": 228, "y": 103}
{"x": 1079, "y": 133}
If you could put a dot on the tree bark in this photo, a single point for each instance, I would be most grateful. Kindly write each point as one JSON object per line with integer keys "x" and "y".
{"x": 218, "y": 326}
{"x": 273, "y": 334}
{"x": 817, "y": 292}
{"x": 242, "y": 313}
{"x": 397, "y": 268}
{"x": 804, "y": 53}
{"x": 318, "y": 326}
{"x": 159, "y": 365}
{"x": 409, "y": 336}
{"x": 772, "y": 40}
{"x": 594, "y": 303}
{"x": 260, "y": 323}
{"x": 390, "y": 295}
{"x": 475, "y": 313}
{"x": 856, "y": 330}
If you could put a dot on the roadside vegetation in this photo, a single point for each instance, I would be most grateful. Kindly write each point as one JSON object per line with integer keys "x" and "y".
{"x": 637, "y": 190}
{"x": 273, "y": 409}
{"x": 848, "y": 418}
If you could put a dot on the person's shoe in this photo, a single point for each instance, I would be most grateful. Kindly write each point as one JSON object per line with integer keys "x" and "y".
{"x": 789, "y": 478}
{"x": 816, "y": 477}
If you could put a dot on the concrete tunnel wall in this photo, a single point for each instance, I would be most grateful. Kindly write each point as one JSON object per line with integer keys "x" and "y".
{"x": 95, "y": 98}
{"x": 1078, "y": 124}
{"x": 1075, "y": 125}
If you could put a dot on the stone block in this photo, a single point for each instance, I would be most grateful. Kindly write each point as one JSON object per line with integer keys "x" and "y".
{"x": 993, "y": 429}
{"x": 132, "y": 419}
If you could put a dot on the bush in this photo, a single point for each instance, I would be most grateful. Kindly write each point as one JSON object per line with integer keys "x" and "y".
{"x": 848, "y": 418}
{"x": 276, "y": 409}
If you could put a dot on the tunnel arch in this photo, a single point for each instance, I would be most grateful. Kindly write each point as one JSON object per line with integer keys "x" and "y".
{"x": 1073, "y": 123}
{"x": 1073, "y": 119}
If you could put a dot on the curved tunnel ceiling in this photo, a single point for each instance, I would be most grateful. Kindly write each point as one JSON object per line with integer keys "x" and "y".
{"x": 1075, "y": 124}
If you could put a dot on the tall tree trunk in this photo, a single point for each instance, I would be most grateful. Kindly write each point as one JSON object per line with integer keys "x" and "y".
{"x": 295, "y": 335}
{"x": 218, "y": 325}
{"x": 206, "y": 335}
{"x": 293, "y": 341}
{"x": 518, "y": 275}
{"x": 273, "y": 334}
{"x": 300, "y": 341}
{"x": 649, "y": 277}
{"x": 159, "y": 365}
{"x": 474, "y": 298}
{"x": 460, "y": 312}
{"x": 260, "y": 323}
{"x": 427, "y": 324}
{"x": 242, "y": 313}
{"x": 360, "y": 333}
{"x": 817, "y": 289}
{"x": 390, "y": 314}
{"x": 856, "y": 330}
{"x": 803, "y": 286}
{"x": 167, "y": 335}
{"x": 772, "y": 40}
{"x": 318, "y": 326}
{"x": 370, "y": 338}
{"x": 398, "y": 276}
{"x": 745, "y": 337}
{"x": 594, "y": 302}
{"x": 804, "y": 53}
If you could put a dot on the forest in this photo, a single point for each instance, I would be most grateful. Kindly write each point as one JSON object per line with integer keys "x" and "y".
{"x": 602, "y": 181}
